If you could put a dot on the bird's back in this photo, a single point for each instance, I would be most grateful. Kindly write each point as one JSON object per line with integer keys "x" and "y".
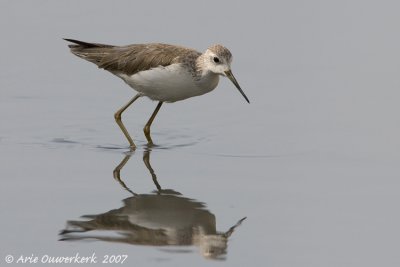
{"x": 131, "y": 59}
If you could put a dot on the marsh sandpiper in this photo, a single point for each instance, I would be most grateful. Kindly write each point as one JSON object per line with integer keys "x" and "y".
{"x": 162, "y": 72}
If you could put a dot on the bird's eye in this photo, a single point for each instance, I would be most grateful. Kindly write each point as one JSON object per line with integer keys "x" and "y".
{"x": 216, "y": 60}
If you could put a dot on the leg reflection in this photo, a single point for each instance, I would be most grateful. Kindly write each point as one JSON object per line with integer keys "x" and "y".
{"x": 117, "y": 173}
{"x": 146, "y": 160}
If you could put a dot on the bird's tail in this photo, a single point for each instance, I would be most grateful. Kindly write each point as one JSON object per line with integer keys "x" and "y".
{"x": 92, "y": 52}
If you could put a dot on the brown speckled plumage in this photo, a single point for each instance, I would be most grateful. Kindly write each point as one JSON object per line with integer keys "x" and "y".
{"x": 132, "y": 59}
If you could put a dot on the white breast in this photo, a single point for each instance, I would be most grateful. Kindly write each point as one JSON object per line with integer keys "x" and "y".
{"x": 171, "y": 83}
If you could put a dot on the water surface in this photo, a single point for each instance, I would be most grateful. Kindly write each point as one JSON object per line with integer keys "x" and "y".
{"x": 312, "y": 162}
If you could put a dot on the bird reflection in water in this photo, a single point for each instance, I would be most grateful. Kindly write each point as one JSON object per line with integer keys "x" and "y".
{"x": 162, "y": 218}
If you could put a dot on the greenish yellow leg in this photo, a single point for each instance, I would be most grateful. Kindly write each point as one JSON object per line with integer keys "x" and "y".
{"x": 146, "y": 128}
{"x": 117, "y": 117}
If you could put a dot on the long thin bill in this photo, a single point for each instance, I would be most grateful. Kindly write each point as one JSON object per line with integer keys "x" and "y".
{"x": 229, "y": 74}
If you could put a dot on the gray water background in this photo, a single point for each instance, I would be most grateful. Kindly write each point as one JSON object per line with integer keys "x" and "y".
{"x": 313, "y": 161}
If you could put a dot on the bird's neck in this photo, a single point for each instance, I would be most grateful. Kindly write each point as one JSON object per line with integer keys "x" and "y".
{"x": 201, "y": 68}
{"x": 204, "y": 77}
{"x": 208, "y": 80}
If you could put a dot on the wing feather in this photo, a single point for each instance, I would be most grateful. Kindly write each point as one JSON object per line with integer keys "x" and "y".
{"x": 130, "y": 59}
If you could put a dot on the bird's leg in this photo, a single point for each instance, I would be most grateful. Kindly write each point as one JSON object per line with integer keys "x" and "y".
{"x": 146, "y": 128}
{"x": 117, "y": 117}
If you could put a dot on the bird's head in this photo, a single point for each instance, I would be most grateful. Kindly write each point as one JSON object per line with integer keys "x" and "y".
{"x": 218, "y": 59}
